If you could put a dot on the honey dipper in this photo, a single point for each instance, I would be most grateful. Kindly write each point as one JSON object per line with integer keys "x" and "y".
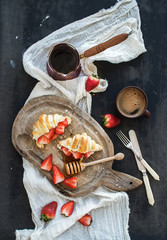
{"x": 77, "y": 167}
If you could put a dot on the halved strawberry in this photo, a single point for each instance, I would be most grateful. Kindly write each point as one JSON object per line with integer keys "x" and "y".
{"x": 92, "y": 82}
{"x": 76, "y": 155}
{"x": 60, "y": 129}
{"x": 43, "y": 140}
{"x": 67, "y": 208}
{"x": 54, "y": 136}
{"x": 88, "y": 154}
{"x": 86, "y": 220}
{"x": 66, "y": 151}
{"x": 47, "y": 163}
{"x": 49, "y": 135}
{"x": 71, "y": 182}
{"x": 65, "y": 122}
{"x": 58, "y": 176}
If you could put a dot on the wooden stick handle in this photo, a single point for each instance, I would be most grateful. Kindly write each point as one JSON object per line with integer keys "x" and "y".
{"x": 103, "y": 46}
{"x": 99, "y": 161}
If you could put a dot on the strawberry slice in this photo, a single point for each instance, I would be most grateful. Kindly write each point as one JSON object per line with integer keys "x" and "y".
{"x": 49, "y": 135}
{"x": 71, "y": 182}
{"x": 54, "y": 136}
{"x": 86, "y": 220}
{"x": 47, "y": 163}
{"x": 67, "y": 208}
{"x": 60, "y": 128}
{"x": 76, "y": 155}
{"x": 58, "y": 176}
{"x": 65, "y": 122}
{"x": 43, "y": 140}
{"x": 66, "y": 151}
{"x": 92, "y": 82}
{"x": 48, "y": 212}
{"x": 88, "y": 154}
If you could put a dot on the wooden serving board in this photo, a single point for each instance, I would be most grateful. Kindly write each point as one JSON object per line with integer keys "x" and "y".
{"x": 93, "y": 176}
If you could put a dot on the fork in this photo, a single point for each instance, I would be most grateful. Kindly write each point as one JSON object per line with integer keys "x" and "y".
{"x": 129, "y": 145}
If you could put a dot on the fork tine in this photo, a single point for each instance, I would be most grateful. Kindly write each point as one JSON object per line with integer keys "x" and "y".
{"x": 122, "y": 140}
{"x": 122, "y": 137}
{"x": 126, "y": 139}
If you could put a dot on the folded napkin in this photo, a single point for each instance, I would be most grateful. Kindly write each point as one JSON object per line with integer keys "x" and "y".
{"x": 109, "y": 210}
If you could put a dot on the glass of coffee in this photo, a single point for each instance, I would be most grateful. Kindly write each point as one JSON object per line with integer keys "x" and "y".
{"x": 132, "y": 102}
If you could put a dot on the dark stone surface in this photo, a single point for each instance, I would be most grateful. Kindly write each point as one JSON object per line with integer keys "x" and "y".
{"x": 148, "y": 71}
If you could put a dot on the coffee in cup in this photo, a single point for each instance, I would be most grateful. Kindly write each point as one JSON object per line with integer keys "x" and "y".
{"x": 132, "y": 102}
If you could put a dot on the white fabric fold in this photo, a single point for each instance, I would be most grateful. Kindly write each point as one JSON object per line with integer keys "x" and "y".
{"x": 110, "y": 210}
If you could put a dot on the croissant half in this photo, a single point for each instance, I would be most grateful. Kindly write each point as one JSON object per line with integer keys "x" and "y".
{"x": 80, "y": 144}
{"x": 45, "y": 123}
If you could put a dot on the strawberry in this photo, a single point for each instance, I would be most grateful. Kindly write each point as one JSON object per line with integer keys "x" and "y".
{"x": 47, "y": 163}
{"x": 48, "y": 212}
{"x": 65, "y": 122}
{"x": 49, "y": 135}
{"x": 110, "y": 121}
{"x": 76, "y": 155}
{"x": 54, "y": 136}
{"x": 92, "y": 82}
{"x": 58, "y": 176}
{"x": 67, "y": 208}
{"x": 60, "y": 128}
{"x": 43, "y": 140}
{"x": 87, "y": 155}
{"x": 71, "y": 182}
{"x": 66, "y": 151}
{"x": 86, "y": 220}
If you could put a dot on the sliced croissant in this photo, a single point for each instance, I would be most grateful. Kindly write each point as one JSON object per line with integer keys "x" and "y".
{"x": 81, "y": 144}
{"x": 45, "y": 123}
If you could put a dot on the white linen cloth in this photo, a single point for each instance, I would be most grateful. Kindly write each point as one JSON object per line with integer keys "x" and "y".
{"x": 109, "y": 210}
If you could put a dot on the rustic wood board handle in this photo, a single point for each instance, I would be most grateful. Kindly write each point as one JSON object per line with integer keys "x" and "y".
{"x": 103, "y": 46}
{"x": 112, "y": 180}
{"x": 119, "y": 181}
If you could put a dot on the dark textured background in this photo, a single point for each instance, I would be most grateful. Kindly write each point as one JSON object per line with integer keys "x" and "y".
{"x": 148, "y": 71}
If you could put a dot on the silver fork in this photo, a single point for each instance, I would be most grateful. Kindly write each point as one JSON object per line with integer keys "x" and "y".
{"x": 129, "y": 145}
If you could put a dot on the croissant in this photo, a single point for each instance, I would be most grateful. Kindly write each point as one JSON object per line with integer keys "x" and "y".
{"x": 80, "y": 144}
{"x": 45, "y": 123}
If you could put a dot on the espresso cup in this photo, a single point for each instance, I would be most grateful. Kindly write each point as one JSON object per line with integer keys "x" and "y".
{"x": 132, "y": 102}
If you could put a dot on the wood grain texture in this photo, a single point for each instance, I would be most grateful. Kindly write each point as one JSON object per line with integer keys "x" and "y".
{"x": 103, "y": 46}
{"x": 90, "y": 178}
